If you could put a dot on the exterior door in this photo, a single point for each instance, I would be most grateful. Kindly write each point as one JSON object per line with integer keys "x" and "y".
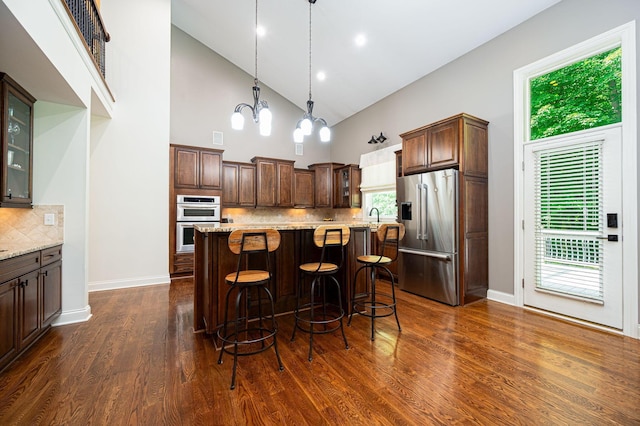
{"x": 573, "y": 228}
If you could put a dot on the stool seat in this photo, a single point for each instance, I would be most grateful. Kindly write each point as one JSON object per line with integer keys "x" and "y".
{"x": 374, "y": 259}
{"x": 317, "y": 267}
{"x": 255, "y": 277}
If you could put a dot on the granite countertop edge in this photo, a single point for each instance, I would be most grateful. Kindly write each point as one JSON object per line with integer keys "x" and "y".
{"x": 290, "y": 226}
{"x": 10, "y": 250}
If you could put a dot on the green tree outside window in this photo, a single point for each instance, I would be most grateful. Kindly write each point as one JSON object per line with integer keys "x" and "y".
{"x": 580, "y": 96}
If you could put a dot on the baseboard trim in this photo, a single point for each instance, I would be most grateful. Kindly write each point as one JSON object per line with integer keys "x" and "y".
{"x": 128, "y": 283}
{"x": 501, "y": 297}
{"x": 73, "y": 316}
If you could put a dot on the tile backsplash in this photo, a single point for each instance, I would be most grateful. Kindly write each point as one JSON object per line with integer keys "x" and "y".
{"x": 276, "y": 215}
{"x": 27, "y": 225}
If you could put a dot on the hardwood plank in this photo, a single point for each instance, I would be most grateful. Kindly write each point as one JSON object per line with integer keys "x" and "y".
{"x": 138, "y": 361}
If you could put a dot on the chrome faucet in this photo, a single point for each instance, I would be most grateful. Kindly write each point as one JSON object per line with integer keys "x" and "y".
{"x": 377, "y": 211}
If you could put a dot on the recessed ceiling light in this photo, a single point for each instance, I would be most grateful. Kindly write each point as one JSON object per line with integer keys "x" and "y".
{"x": 361, "y": 40}
{"x": 321, "y": 76}
{"x": 260, "y": 30}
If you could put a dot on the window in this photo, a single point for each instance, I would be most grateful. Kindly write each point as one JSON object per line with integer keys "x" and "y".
{"x": 378, "y": 183}
{"x": 579, "y": 96}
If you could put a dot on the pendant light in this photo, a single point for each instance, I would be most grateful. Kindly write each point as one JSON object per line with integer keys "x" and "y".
{"x": 304, "y": 127}
{"x": 260, "y": 109}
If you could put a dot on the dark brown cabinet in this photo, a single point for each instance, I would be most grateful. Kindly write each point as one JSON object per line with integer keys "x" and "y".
{"x": 238, "y": 184}
{"x": 274, "y": 182}
{"x": 324, "y": 176}
{"x": 461, "y": 142}
{"x": 16, "y": 122}
{"x": 30, "y": 299}
{"x": 197, "y": 168}
{"x": 303, "y": 188}
{"x": 346, "y": 185}
{"x": 458, "y": 141}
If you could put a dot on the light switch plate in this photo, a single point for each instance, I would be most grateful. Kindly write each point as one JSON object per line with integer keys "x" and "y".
{"x": 49, "y": 219}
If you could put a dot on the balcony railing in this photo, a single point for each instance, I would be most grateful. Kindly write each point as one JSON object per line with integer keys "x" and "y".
{"x": 90, "y": 26}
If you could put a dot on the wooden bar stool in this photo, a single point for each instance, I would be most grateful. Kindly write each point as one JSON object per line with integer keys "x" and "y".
{"x": 255, "y": 333}
{"x": 321, "y": 315}
{"x": 373, "y": 303}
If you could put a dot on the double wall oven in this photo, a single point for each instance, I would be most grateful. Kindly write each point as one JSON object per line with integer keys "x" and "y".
{"x": 191, "y": 210}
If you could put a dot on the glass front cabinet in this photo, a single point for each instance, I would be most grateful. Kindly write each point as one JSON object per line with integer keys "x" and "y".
{"x": 17, "y": 144}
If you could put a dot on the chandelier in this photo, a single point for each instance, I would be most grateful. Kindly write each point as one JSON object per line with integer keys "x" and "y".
{"x": 304, "y": 127}
{"x": 260, "y": 109}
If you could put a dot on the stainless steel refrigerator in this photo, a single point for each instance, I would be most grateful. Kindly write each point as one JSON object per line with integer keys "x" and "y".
{"x": 428, "y": 258}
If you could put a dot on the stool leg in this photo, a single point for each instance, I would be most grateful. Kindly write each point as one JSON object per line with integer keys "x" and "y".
{"x": 235, "y": 340}
{"x": 344, "y": 337}
{"x": 353, "y": 295}
{"x": 373, "y": 300}
{"x": 275, "y": 326}
{"x": 311, "y": 317}
{"x": 296, "y": 311}
{"x": 393, "y": 296}
{"x": 224, "y": 324}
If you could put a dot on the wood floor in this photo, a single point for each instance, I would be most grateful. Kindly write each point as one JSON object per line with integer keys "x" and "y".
{"x": 137, "y": 361}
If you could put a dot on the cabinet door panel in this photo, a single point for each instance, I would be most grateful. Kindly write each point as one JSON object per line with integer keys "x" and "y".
{"x": 285, "y": 185}
{"x": 304, "y": 188}
{"x": 247, "y": 185}
{"x": 443, "y": 145}
{"x": 8, "y": 324}
{"x": 414, "y": 154}
{"x": 266, "y": 172}
{"x": 186, "y": 168}
{"x": 210, "y": 170}
{"x": 230, "y": 182}
{"x": 28, "y": 302}
{"x": 51, "y": 282}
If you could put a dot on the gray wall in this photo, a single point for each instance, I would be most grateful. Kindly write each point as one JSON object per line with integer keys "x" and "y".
{"x": 481, "y": 83}
{"x": 205, "y": 88}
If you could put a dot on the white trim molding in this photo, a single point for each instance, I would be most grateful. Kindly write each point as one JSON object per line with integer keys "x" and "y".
{"x": 625, "y": 36}
{"x": 128, "y": 283}
{"x": 73, "y": 316}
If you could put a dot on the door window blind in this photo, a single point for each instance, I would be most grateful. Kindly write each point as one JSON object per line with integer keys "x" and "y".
{"x": 568, "y": 220}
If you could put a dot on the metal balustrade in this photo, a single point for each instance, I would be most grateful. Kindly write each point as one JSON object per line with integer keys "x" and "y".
{"x": 90, "y": 26}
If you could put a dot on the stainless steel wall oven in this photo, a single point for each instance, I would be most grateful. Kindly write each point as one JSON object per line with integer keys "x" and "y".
{"x": 190, "y": 210}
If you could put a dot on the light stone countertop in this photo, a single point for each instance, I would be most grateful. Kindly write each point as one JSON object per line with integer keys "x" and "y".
{"x": 9, "y": 250}
{"x": 282, "y": 226}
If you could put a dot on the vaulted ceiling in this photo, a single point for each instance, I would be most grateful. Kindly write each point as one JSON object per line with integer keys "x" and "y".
{"x": 405, "y": 40}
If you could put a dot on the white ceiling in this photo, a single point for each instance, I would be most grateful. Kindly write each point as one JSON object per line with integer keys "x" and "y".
{"x": 407, "y": 39}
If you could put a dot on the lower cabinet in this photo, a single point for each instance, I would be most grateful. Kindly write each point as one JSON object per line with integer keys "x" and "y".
{"x": 30, "y": 300}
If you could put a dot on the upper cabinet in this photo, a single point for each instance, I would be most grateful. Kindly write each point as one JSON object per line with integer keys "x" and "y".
{"x": 238, "y": 184}
{"x": 324, "y": 183}
{"x": 16, "y": 180}
{"x": 274, "y": 182}
{"x": 459, "y": 141}
{"x": 197, "y": 168}
{"x": 346, "y": 184}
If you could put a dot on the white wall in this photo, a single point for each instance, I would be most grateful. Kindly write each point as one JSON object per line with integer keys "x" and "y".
{"x": 481, "y": 83}
{"x": 60, "y": 176}
{"x": 129, "y": 154}
{"x": 205, "y": 88}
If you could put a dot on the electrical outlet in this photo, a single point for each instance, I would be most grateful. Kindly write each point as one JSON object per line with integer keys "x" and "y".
{"x": 49, "y": 219}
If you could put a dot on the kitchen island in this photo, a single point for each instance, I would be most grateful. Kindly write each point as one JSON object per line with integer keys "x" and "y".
{"x": 213, "y": 261}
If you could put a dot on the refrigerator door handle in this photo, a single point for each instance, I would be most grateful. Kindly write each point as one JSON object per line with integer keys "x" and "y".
{"x": 418, "y": 198}
{"x": 445, "y": 257}
{"x": 425, "y": 212}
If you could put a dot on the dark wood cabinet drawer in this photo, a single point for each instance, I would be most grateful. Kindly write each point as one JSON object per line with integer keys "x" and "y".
{"x": 51, "y": 255}
{"x": 20, "y": 265}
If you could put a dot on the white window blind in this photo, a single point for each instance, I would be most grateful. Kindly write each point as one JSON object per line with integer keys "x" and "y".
{"x": 569, "y": 206}
{"x": 379, "y": 169}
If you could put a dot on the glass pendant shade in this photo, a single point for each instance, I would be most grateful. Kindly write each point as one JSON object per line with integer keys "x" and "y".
{"x": 298, "y": 136}
{"x": 237, "y": 121}
{"x": 306, "y": 125}
{"x": 264, "y": 117}
{"x": 325, "y": 134}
